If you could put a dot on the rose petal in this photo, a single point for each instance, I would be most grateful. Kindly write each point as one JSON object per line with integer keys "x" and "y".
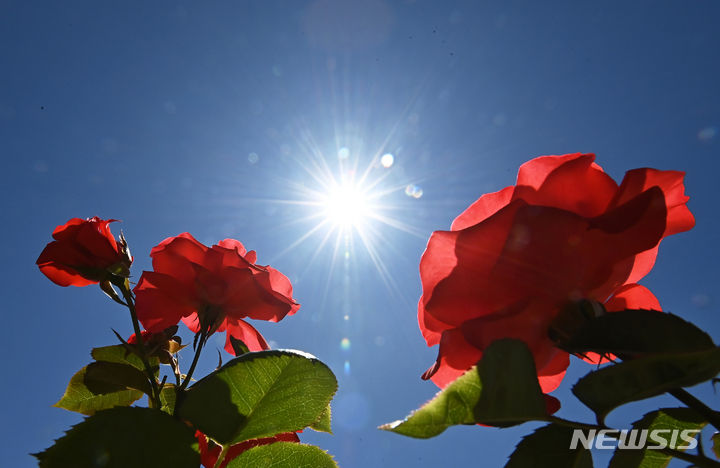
{"x": 160, "y": 301}
{"x": 483, "y": 208}
{"x": 577, "y": 185}
{"x": 456, "y": 265}
{"x": 636, "y": 181}
{"x": 632, "y": 296}
{"x": 246, "y": 333}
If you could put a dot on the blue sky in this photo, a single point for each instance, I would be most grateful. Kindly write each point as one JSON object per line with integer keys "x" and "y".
{"x": 214, "y": 119}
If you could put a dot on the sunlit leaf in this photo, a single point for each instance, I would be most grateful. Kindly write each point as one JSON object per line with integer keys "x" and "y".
{"x": 259, "y": 395}
{"x": 168, "y": 396}
{"x": 679, "y": 419}
{"x": 87, "y": 394}
{"x": 502, "y": 390}
{"x": 549, "y": 447}
{"x": 323, "y": 424}
{"x": 122, "y": 438}
{"x": 283, "y": 455}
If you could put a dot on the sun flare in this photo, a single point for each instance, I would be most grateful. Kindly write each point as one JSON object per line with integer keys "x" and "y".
{"x": 346, "y": 205}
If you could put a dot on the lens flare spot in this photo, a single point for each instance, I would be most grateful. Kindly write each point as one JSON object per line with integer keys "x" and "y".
{"x": 343, "y": 153}
{"x": 345, "y": 344}
{"x": 346, "y": 367}
{"x": 253, "y": 158}
{"x": 414, "y": 191}
{"x": 707, "y": 134}
{"x": 387, "y": 160}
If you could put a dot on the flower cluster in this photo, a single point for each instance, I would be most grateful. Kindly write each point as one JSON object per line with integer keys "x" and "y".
{"x": 210, "y": 289}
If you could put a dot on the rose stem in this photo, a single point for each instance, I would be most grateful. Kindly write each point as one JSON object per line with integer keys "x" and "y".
{"x": 201, "y": 343}
{"x": 712, "y": 416}
{"x": 127, "y": 294}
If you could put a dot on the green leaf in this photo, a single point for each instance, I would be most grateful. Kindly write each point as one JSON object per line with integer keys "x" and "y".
{"x": 668, "y": 418}
{"x": 637, "y": 379}
{"x": 238, "y": 346}
{"x": 638, "y": 332}
{"x": 88, "y": 392}
{"x": 716, "y": 444}
{"x": 549, "y": 447}
{"x": 511, "y": 393}
{"x": 283, "y": 455}
{"x": 120, "y": 354}
{"x": 124, "y": 437}
{"x": 259, "y": 395}
{"x": 323, "y": 422}
{"x": 116, "y": 373}
{"x": 502, "y": 390}
{"x": 168, "y": 395}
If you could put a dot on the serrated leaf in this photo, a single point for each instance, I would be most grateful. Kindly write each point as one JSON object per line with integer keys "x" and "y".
{"x": 122, "y": 438}
{"x": 87, "y": 395}
{"x": 168, "y": 395}
{"x": 283, "y": 455}
{"x": 637, "y": 379}
{"x": 323, "y": 423}
{"x": 549, "y": 447}
{"x": 502, "y": 390}
{"x": 667, "y": 418}
{"x": 637, "y": 332}
{"x": 259, "y": 395}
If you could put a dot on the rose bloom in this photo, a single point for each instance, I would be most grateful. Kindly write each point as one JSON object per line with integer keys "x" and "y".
{"x": 515, "y": 258}
{"x": 211, "y": 289}
{"x": 84, "y": 252}
{"x": 210, "y": 451}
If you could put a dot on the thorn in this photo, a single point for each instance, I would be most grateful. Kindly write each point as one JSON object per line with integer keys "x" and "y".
{"x": 122, "y": 340}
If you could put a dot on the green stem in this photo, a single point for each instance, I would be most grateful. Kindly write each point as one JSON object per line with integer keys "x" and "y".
{"x": 712, "y": 416}
{"x": 130, "y": 303}
{"x": 579, "y": 425}
{"x": 203, "y": 338}
{"x": 180, "y": 388}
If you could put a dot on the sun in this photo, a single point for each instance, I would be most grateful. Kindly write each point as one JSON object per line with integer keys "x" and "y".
{"x": 346, "y": 205}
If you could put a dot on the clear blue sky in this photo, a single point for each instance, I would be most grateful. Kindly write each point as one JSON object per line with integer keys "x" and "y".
{"x": 178, "y": 117}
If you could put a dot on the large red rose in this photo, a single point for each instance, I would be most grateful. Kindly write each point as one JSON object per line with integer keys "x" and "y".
{"x": 513, "y": 259}
{"x": 84, "y": 252}
{"x": 211, "y": 289}
{"x": 210, "y": 451}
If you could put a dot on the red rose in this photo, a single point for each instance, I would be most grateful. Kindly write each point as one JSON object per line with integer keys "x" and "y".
{"x": 84, "y": 252}
{"x": 210, "y": 451}
{"x": 515, "y": 258}
{"x": 211, "y": 289}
